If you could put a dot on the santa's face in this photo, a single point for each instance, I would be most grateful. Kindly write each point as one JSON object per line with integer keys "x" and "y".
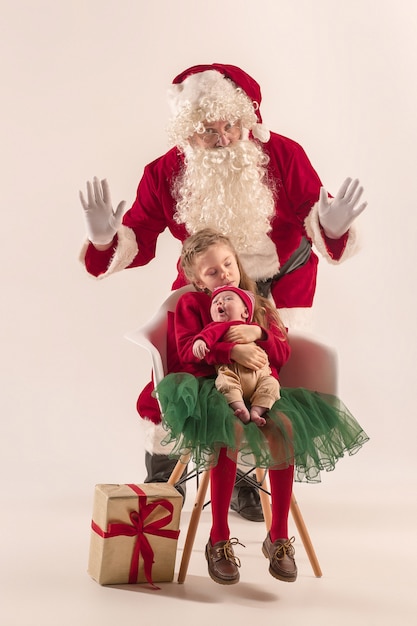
{"x": 217, "y": 135}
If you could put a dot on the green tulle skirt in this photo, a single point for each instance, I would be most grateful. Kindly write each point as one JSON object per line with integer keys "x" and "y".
{"x": 308, "y": 429}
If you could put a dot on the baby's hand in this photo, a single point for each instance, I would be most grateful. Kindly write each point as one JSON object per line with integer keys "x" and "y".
{"x": 200, "y": 349}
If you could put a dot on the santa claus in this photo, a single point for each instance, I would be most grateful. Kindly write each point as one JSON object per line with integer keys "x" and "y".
{"x": 227, "y": 171}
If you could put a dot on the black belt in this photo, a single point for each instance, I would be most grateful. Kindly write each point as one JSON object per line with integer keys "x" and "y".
{"x": 298, "y": 258}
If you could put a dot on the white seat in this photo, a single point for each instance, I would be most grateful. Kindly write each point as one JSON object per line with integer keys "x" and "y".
{"x": 152, "y": 336}
{"x": 312, "y": 365}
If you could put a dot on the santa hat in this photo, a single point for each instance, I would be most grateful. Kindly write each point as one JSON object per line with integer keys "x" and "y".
{"x": 200, "y": 85}
{"x": 247, "y": 297}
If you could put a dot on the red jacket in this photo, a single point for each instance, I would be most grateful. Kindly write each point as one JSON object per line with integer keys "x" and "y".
{"x": 297, "y": 190}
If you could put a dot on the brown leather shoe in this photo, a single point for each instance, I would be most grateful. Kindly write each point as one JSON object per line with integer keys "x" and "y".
{"x": 223, "y": 565}
{"x": 281, "y": 558}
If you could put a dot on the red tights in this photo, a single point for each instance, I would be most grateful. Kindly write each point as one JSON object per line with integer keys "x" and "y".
{"x": 280, "y": 481}
{"x": 222, "y": 480}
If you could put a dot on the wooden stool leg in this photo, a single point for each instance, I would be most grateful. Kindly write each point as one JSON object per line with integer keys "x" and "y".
{"x": 193, "y": 525}
{"x": 178, "y": 470}
{"x": 265, "y": 500}
{"x": 305, "y": 537}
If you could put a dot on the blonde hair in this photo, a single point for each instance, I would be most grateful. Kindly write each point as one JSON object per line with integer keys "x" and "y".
{"x": 264, "y": 312}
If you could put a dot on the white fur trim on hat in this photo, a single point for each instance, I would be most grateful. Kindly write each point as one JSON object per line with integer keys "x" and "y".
{"x": 259, "y": 131}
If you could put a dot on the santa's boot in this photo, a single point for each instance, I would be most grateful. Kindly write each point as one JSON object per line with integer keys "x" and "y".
{"x": 245, "y": 499}
{"x": 159, "y": 468}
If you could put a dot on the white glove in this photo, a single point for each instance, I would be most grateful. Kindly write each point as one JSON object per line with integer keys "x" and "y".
{"x": 101, "y": 221}
{"x": 337, "y": 215}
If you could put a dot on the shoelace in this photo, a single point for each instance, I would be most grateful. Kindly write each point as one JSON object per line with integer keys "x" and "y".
{"x": 228, "y": 553}
{"x": 284, "y": 549}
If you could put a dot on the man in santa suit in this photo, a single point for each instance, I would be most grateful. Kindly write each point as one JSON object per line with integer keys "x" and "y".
{"x": 227, "y": 171}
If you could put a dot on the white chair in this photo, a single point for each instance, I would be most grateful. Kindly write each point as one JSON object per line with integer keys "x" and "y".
{"x": 312, "y": 365}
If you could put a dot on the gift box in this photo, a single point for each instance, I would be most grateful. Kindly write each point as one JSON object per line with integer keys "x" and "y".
{"x": 134, "y": 533}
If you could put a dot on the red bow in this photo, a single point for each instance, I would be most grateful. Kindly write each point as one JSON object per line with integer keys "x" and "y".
{"x": 138, "y": 528}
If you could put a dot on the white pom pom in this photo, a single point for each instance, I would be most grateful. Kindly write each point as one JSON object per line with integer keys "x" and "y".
{"x": 259, "y": 131}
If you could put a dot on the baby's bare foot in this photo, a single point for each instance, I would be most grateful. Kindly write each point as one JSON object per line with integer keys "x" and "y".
{"x": 256, "y": 417}
{"x": 243, "y": 415}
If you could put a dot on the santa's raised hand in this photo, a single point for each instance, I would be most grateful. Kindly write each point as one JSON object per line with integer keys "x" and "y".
{"x": 336, "y": 215}
{"x": 101, "y": 221}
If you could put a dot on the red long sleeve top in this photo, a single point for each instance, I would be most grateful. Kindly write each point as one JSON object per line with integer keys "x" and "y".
{"x": 191, "y": 321}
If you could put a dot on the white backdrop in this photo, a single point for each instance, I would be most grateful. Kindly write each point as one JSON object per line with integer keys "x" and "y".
{"x": 83, "y": 94}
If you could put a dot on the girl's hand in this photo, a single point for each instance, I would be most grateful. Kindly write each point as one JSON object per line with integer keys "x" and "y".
{"x": 243, "y": 333}
{"x": 249, "y": 355}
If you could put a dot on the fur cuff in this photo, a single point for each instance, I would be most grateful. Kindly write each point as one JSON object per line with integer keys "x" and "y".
{"x": 126, "y": 251}
{"x": 297, "y": 318}
{"x": 153, "y": 435}
{"x": 312, "y": 226}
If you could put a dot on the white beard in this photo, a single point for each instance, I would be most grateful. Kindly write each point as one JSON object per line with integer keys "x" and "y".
{"x": 226, "y": 189}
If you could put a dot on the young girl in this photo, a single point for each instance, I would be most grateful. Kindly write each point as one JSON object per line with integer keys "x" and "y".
{"x": 303, "y": 429}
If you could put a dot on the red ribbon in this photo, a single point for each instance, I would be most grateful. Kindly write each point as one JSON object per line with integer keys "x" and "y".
{"x": 138, "y": 529}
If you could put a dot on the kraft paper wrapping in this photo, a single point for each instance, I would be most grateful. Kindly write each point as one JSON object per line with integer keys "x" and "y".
{"x": 134, "y": 533}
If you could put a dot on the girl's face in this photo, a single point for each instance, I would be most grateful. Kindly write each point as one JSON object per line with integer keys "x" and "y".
{"x": 216, "y": 267}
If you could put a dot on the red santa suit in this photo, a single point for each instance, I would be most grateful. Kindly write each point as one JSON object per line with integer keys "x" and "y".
{"x": 298, "y": 188}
